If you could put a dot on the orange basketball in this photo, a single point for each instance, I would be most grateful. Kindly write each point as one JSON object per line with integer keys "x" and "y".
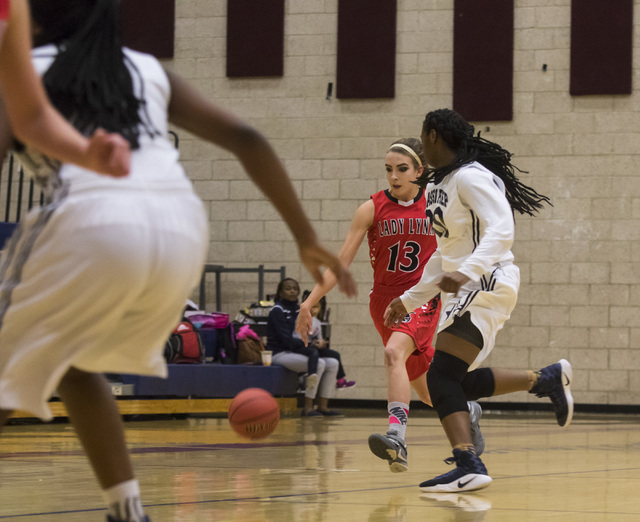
{"x": 254, "y": 413}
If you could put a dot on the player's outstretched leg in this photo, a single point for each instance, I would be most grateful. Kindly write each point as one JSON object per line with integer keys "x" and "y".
{"x": 470, "y": 474}
{"x": 391, "y": 448}
{"x": 475, "y": 412}
{"x": 555, "y": 382}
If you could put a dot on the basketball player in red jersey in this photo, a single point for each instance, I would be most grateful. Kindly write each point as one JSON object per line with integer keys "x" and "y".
{"x": 400, "y": 243}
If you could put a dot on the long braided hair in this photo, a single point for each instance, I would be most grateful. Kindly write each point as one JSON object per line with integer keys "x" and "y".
{"x": 89, "y": 81}
{"x": 459, "y": 136}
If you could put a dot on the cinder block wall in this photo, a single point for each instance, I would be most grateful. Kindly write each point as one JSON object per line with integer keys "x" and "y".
{"x": 579, "y": 260}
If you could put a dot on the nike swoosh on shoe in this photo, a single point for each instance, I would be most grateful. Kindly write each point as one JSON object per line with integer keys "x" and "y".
{"x": 463, "y": 484}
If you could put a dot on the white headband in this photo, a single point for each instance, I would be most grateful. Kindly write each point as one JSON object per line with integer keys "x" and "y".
{"x": 409, "y": 150}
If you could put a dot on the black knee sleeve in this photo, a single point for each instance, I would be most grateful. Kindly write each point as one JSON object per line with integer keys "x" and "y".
{"x": 478, "y": 383}
{"x": 443, "y": 380}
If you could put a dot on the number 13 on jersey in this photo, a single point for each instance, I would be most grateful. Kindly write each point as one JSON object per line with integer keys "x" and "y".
{"x": 404, "y": 256}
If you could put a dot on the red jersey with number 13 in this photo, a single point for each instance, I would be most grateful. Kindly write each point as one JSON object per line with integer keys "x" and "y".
{"x": 400, "y": 240}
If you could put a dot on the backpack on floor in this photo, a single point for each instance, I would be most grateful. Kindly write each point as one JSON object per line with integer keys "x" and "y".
{"x": 227, "y": 345}
{"x": 184, "y": 346}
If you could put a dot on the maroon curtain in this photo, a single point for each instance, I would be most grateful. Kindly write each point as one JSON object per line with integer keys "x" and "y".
{"x": 366, "y": 49}
{"x": 483, "y": 59}
{"x": 255, "y": 38}
{"x": 149, "y": 26}
{"x": 601, "y": 46}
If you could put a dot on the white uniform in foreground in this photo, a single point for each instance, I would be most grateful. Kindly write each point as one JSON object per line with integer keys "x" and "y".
{"x": 98, "y": 277}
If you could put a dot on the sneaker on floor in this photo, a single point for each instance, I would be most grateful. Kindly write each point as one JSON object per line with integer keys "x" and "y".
{"x": 391, "y": 448}
{"x": 312, "y": 413}
{"x": 555, "y": 382}
{"x": 475, "y": 412}
{"x": 343, "y": 384}
{"x": 470, "y": 474}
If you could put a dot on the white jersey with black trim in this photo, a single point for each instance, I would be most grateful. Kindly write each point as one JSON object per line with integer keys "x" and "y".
{"x": 154, "y": 165}
{"x": 474, "y": 224}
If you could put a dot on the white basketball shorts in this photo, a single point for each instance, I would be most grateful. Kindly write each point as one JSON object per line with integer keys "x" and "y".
{"x": 97, "y": 283}
{"x": 490, "y": 302}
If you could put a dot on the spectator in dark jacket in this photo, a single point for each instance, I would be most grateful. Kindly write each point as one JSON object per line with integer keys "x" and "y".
{"x": 291, "y": 352}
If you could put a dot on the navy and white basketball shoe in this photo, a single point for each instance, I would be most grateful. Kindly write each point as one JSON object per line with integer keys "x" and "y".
{"x": 555, "y": 382}
{"x": 470, "y": 474}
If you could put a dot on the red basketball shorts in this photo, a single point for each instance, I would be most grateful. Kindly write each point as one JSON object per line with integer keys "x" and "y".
{"x": 420, "y": 325}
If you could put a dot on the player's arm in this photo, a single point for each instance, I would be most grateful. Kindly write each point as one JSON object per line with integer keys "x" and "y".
{"x": 34, "y": 120}
{"x": 420, "y": 293}
{"x": 497, "y": 227}
{"x": 360, "y": 224}
{"x": 190, "y": 110}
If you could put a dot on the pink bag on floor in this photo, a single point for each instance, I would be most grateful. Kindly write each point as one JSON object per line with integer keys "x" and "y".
{"x": 212, "y": 320}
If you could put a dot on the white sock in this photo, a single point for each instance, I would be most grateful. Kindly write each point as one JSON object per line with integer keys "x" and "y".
{"x": 123, "y": 501}
{"x": 398, "y": 417}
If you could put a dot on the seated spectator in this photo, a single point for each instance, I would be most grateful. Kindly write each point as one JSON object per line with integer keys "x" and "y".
{"x": 291, "y": 352}
{"x": 316, "y": 340}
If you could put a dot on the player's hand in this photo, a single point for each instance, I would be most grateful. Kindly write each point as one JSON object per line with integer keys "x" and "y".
{"x": 395, "y": 313}
{"x": 452, "y": 281}
{"x": 109, "y": 154}
{"x": 304, "y": 323}
{"x": 314, "y": 256}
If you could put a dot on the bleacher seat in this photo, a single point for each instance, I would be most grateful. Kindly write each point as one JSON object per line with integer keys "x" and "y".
{"x": 215, "y": 381}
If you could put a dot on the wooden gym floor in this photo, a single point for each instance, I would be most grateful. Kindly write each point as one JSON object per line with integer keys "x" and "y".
{"x": 197, "y": 469}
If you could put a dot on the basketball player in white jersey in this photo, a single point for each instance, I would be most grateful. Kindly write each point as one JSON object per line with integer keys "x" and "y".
{"x": 472, "y": 192}
{"x": 95, "y": 280}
